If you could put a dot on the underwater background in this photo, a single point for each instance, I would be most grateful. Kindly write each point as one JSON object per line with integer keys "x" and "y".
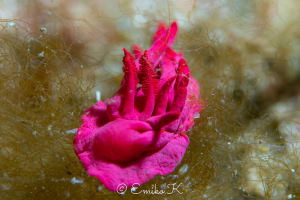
{"x": 59, "y": 57}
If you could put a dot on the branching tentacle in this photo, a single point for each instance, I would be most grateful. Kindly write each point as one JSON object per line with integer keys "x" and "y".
{"x": 162, "y": 99}
{"x": 181, "y": 84}
{"x": 131, "y": 81}
{"x": 149, "y": 85}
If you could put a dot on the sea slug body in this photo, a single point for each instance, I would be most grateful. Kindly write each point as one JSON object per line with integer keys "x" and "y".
{"x": 140, "y": 131}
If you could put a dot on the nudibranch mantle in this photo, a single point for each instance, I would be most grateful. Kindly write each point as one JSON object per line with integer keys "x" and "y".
{"x": 140, "y": 132}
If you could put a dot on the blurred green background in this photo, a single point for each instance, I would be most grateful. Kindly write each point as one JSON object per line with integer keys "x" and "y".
{"x": 58, "y": 57}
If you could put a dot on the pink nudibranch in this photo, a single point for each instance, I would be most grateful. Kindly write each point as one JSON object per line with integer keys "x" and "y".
{"x": 139, "y": 132}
